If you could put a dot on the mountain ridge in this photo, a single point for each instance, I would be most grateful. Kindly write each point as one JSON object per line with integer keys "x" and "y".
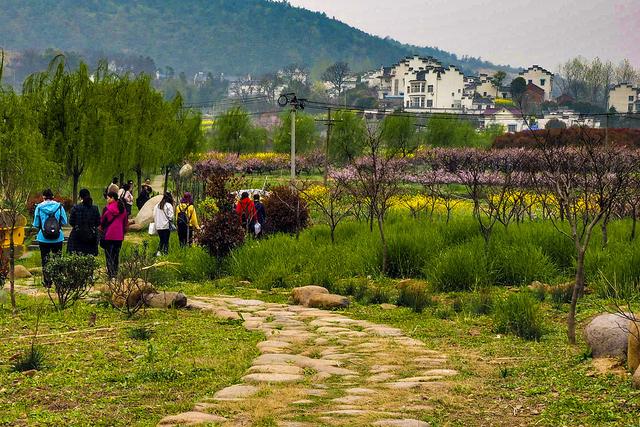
{"x": 226, "y": 36}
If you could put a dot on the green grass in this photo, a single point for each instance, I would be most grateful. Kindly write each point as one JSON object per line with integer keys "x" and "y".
{"x": 101, "y": 375}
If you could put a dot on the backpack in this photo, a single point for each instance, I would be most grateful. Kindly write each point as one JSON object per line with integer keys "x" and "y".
{"x": 51, "y": 227}
{"x": 183, "y": 219}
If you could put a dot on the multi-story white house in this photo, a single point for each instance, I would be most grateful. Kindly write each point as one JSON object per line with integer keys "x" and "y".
{"x": 394, "y": 79}
{"x": 624, "y": 98}
{"x": 510, "y": 118}
{"x": 485, "y": 87}
{"x": 436, "y": 88}
{"x": 540, "y": 77}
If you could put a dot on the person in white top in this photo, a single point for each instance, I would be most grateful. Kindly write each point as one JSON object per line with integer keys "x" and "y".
{"x": 125, "y": 194}
{"x": 163, "y": 217}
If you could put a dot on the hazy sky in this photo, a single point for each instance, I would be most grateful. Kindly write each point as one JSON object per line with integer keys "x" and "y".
{"x": 516, "y": 32}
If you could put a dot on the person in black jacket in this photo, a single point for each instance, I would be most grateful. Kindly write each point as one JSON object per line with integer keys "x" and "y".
{"x": 85, "y": 220}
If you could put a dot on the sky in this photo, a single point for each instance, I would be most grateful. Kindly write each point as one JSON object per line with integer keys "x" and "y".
{"x": 514, "y": 32}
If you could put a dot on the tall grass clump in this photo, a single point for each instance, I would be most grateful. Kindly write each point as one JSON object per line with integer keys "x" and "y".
{"x": 480, "y": 302}
{"x": 519, "y": 314}
{"x": 414, "y": 295}
{"x": 460, "y": 267}
{"x": 31, "y": 360}
{"x": 410, "y": 250}
{"x": 520, "y": 263}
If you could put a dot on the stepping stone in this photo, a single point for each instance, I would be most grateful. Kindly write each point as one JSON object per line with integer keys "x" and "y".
{"x": 401, "y": 423}
{"x": 348, "y": 412}
{"x": 322, "y": 341}
{"x": 245, "y": 302}
{"x": 376, "y": 369}
{"x": 360, "y": 391}
{"x": 331, "y": 330}
{"x": 235, "y": 392}
{"x": 441, "y": 372}
{"x": 272, "y": 378}
{"x": 190, "y": 419}
{"x": 406, "y": 385}
{"x": 348, "y": 400}
{"x": 252, "y": 325}
{"x": 276, "y": 369}
{"x": 302, "y": 402}
{"x": 381, "y": 377}
{"x": 273, "y": 346}
{"x": 429, "y": 361}
{"x": 343, "y": 356}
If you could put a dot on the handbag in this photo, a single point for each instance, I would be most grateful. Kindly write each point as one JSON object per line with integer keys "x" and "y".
{"x": 152, "y": 229}
{"x": 257, "y": 228}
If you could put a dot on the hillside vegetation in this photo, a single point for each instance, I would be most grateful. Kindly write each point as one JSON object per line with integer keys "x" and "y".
{"x": 229, "y": 36}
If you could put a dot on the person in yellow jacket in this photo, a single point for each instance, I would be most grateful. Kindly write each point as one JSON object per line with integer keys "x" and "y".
{"x": 186, "y": 220}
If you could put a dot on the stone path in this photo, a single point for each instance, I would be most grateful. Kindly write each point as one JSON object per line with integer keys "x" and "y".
{"x": 319, "y": 368}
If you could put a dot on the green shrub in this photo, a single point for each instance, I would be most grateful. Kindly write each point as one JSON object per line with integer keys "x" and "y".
{"x": 415, "y": 295}
{"x": 33, "y": 359}
{"x": 561, "y": 294}
{"x": 71, "y": 277}
{"x": 377, "y": 294}
{"x": 460, "y": 268}
{"x": 519, "y": 314}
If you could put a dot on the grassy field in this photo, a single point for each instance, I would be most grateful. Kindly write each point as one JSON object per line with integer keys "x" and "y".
{"x": 100, "y": 375}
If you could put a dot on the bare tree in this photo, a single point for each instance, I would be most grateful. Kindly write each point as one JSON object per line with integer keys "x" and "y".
{"x": 336, "y": 75}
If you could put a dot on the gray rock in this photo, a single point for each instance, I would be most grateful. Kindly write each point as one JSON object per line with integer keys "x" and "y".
{"x": 328, "y": 301}
{"x": 235, "y": 392}
{"x": 145, "y": 216}
{"x": 186, "y": 171}
{"x": 302, "y": 294}
{"x": 165, "y": 300}
{"x": 607, "y": 336}
{"x": 20, "y": 272}
{"x": 272, "y": 378}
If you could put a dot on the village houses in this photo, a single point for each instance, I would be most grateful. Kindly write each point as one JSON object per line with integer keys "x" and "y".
{"x": 624, "y": 98}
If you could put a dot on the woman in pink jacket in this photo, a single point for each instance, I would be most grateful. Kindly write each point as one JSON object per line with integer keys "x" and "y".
{"x": 114, "y": 223}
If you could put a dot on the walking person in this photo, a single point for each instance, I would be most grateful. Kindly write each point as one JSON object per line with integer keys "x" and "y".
{"x": 126, "y": 195}
{"x": 261, "y": 215}
{"x": 144, "y": 195}
{"x": 85, "y": 220}
{"x": 48, "y": 218}
{"x": 112, "y": 188}
{"x": 114, "y": 223}
{"x": 163, "y": 218}
{"x": 186, "y": 219}
{"x": 246, "y": 211}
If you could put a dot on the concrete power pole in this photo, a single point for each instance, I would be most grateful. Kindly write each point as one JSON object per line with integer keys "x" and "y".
{"x": 293, "y": 144}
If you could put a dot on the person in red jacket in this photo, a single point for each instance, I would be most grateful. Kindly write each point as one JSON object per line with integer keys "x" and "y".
{"x": 246, "y": 211}
{"x": 114, "y": 223}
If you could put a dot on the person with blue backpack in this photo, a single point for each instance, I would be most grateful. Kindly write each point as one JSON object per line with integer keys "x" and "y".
{"x": 49, "y": 218}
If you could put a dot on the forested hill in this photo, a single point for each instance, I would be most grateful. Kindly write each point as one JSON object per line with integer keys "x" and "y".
{"x": 229, "y": 36}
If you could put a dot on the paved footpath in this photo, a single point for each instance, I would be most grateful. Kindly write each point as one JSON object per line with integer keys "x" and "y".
{"x": 320, "y": 368}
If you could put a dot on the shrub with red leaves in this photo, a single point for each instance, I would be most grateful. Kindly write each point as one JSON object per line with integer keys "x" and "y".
{"x": 629, "y": 138}
{"x": 221, "y": 234}
{"x": 67, "y": 203}
{"x": 286, "y": 211}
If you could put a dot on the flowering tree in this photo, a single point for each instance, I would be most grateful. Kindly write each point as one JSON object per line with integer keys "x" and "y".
{"x": 332, "y": 201}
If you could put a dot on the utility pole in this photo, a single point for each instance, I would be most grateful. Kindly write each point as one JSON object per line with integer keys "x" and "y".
{"x": 293, "y": 144}
{"x": 329, "y": 123}
{"x": 295, "y": 103}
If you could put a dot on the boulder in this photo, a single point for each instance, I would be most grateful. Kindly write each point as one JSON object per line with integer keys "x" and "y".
{"x": 303, "y": 294}
{"x": 130, "y": 293}
{"x": 633, "y": 345}
{"x": 165, "y": 300}
{"x": 607, "y": 336}
{"x": 186, "y": 171}
{"x": 145, "y": 216}
{"x": 328, "y": 301}
{"x": 21, "y": 272}
{"x": 636, "y": 379}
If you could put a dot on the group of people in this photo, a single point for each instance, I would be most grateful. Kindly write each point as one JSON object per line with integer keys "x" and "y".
{"x": 251, "y": 213}
{"x": 91, "y": 229}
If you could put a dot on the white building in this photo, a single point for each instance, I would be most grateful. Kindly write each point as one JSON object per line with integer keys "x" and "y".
{"x": 394, "y": 79}
{"x": 624, "y": 98}
{"x": 541, "y": 78}
{"x": 485, "y": 87}
{"x": 511, "y": 119}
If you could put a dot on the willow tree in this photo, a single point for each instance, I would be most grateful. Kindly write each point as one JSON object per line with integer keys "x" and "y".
{"x": 233, "y": 132}
{"x": 399, "y": 133}
{"x": 23, "y": 166}
{"x": 68, "y": 116}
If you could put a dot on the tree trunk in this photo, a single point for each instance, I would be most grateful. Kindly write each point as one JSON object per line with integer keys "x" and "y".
{"x": 578, "y": 290}
{"x": 384, "y": 244}
{"x": 633, "y": 224}
{"x": 605, "y": 234}
{"x": 333, "y": 234}
{"x": 76, "y": 181}
{"x": 12, "y": 270}
{"x": 166, "y": 179}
